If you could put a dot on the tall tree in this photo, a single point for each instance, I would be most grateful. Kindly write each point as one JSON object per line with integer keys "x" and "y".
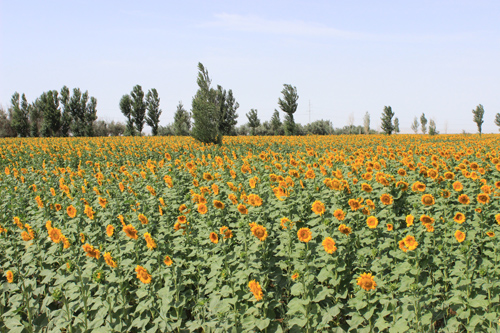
{"x": 154, "y": 111}
{"x": 396, "y": 125}
{"x": 366, "y": 123}
{"x": 415, "y": 125}
{"x": 204, "y": 110}
{"x": 387, "y": 125}
{"x": 432, "y": 127}
{"x": 289, "y": 105}
{"x": 35, "y": 116}
{"x": 478, "y": 117}
{"x": 253, "y": 120}
{"x": 20, "y": 115}
{"x": 497, "y": 120}
{"x": 138, "y": 108}
{"x": 227, "y": 111}
{"x": 276, "y": 122}
{"x": 423, "y": 122}
{"x": 90, "y": 116}
{"x": 126, "y": 109}
{"x": 51, "y": 113}
{"x": 64, "y": 98}
{"x": 182, "y": 121}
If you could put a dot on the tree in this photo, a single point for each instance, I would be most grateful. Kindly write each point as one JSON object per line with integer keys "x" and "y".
{"x": 289, "y": 105}
{"x": 20, "y": 115}
{"x": 432, "y": 127}
{"x": 423, "y": 122}
{"x": 35, "y": 116}
{"x": 478, "y": 117}
{"x": 253, "y": 120}
{"x": 204, "y": 110}
{"x": 154, "y": 111}
{"x": 182, "y": 121}
{"x": 321, "y": 127}
{"x": 51, "y": 122}
{"x": 396, "y": 125}
{"x": 387, "y": 125}
{"x": 497, "y": 120}
{"x": 90, "y": 117}
{"x": 276, "y": 123}
{"x": 366, "y": 123}
{"x": 227, "y": 111}
{"x": 6, "y": 129}
{"x": 138, "y": 108}
{"x": 64, "y": 98}
{"x": 415, "y": 125}
{"x": 126, "y": 109}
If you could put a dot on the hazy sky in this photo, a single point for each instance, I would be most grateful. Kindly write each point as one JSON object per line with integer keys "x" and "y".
{"x": 344, "y": 57}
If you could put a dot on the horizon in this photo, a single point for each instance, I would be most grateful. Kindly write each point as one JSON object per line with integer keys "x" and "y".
{"x": 344, "y": 59}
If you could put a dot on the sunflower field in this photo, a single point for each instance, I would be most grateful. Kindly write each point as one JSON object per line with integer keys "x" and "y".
{"x": 318, "y": 233}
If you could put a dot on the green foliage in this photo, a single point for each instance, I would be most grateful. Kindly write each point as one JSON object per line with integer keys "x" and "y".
{"x": 205, "y": 110}
{"x": 49, "y": 105}
{"x": 5, "y": 125}
{"x": 319, "y": 127}
{"x": 253, "y": 120}
{"x": 415, "y": 125}
{"x": 497, "y": 120}
{"x": 182, "y": 121}
{"x": 387, "y": 125}
{"x": 138, "y": 108}
{"x": 154, "y": 111}
{"x": 289, "y": 105}
{"x": 20, "y": 115}
{"x": 81, "y": 110}
{"x": 432, "y": 128}
{"x": 423, "y": 122}
{"x": 478, "y": 117}
{"x": 227, "y": 111}
{"x": 66, "y": 117}
{"x": 276, "y": 124}
{"x": 366, "y": 123}
{"x": 126, "y": 109}
{"x": 396, "y": 125}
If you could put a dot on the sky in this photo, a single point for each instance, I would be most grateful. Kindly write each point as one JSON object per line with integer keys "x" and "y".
{"x": 345, "y": 58}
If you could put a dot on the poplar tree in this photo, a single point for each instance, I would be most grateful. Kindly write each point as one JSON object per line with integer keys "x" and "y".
{"x": 182, "y": 122}
{"x": 126, "y": 109}
{"x": 415, "y": 125}
{"x": 289, "y": 105}
{"x": 138, "y": 108}
{"x": 497, "y": 120}
{"x": 253, "y": 120}
{"x": 20, "y": 115}
{"x": 396, "y": 125}
{"x": 154, "y": 111}
{"x": 423, "y": 122}
{"x": 366, "y": 123}
{"x": 478, "y": 117}
{"x": 386, "y": 118}
{"x": 51, "y": 122}
{"x": 276, "y": 122}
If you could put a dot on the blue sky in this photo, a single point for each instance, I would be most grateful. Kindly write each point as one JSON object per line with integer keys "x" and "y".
{"x": 344, "y": 57}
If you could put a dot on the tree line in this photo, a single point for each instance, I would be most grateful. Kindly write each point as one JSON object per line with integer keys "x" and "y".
{"x": 213, "y": 115}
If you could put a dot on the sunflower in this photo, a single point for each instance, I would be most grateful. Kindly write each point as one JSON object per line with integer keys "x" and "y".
{"x": 329, "y": 245}
{"x": 339, "y": 214}
{"x": 284, "y": 221}
{"x": 259, "y": 231}
{"x": 150, "y": 242}
{"x": 142, "y": 274}
{"x": 89, "y": 212}
{"x": 386, "y": 199}
{"x": 345, "y": 229}
{"x": 409, "y": 220}
{"x": 428, "y": 200}
{"x": 483, "y": 198}
{"x": 10, "y": 276}
{"x": 366, "y": 281}
{"x": 318, "y": 207}
{"x": 202, "y": 208}
{"x": 55, "y": 235}
{"x": 130, "y": 231}
{"x": 490, "y": 233}
{"x": 372, "y": 222}
{"x": 242, "y": 209}
{"x": 233, "y": 198}
{"x": 183, "y": 208}
{"x": 255, "y": 289}
{"x": 91, "y": 251}
{"x": 122, "y": 219}
{"x": 460, "y": 236}
{"x": 464, "y": 199}
{"x": 109, "y": 260}
{"x": 71, "y": 211}
{"x": 418, "y": 187}
{"x": 143, "y": 219}
{"x": 58, "y": 207}
{"x": 354, "y": 204}
{"x": 304, "y": 234}
{"x": 497, "y": 218}
{"x": 390, "y": 227}
{"x": 402, "y": 245}
{"x": 103, "y": 202}
{"x": 425, "y": 219}
{"x": 410, "y": 243}
{"x": 219, "y": 204}
{"x": 168, "y": 261}
{"x": 457, "y": 186}
{"x": 182, "y": 219}
{"x": 295, "y": 276}
{"x": 449, "y": 175}
{"x": 366, "y": 187}
{"x": 459, "y": 218}
{"x": 214, "y": 238}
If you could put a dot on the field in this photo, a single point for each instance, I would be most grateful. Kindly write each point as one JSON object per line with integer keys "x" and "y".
{"x": 333, "y": 233}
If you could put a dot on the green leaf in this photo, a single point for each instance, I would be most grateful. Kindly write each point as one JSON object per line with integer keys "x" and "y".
{"x": 479, "y": 301}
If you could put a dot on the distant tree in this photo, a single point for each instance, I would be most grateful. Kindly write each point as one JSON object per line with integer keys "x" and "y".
{"x": 20, "y": 115}
{"x": 289, "y": 105}
{"x": 366, "y": 123}
{"x": 204, "y": 110}
{"x": 6, "y": 129}
{"x": 138, "y": 108}
{"x": 432, "y": 128}
{"x": 321, "y": 127}
{"x": 101, "y": 128}
{"x": 423, "y": 122}
{"x": 64, "y": 99}
{"x": 387, "y": 125}
{"x": 35, "y": 117}
{"x": 227, "y": 107}
{"x": 396, "y": 125}
{"x": 253, "y": 120}
{"x": 182, "y": 121}
{"x": 415, "y": 125}
{"x": 90, "y": 117}
{"x": 154, "y": 111}
{"x": 276, "y": 124}
{"x": 126, "y": 109}
{"x": 497, "y": 120}
{"x": 166, "y": 130}
{"x": 478, "y": 117}
{"x": 83, "y": 112}
{"x": 51, "y": 122}
{"x": 116, "y": 129}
